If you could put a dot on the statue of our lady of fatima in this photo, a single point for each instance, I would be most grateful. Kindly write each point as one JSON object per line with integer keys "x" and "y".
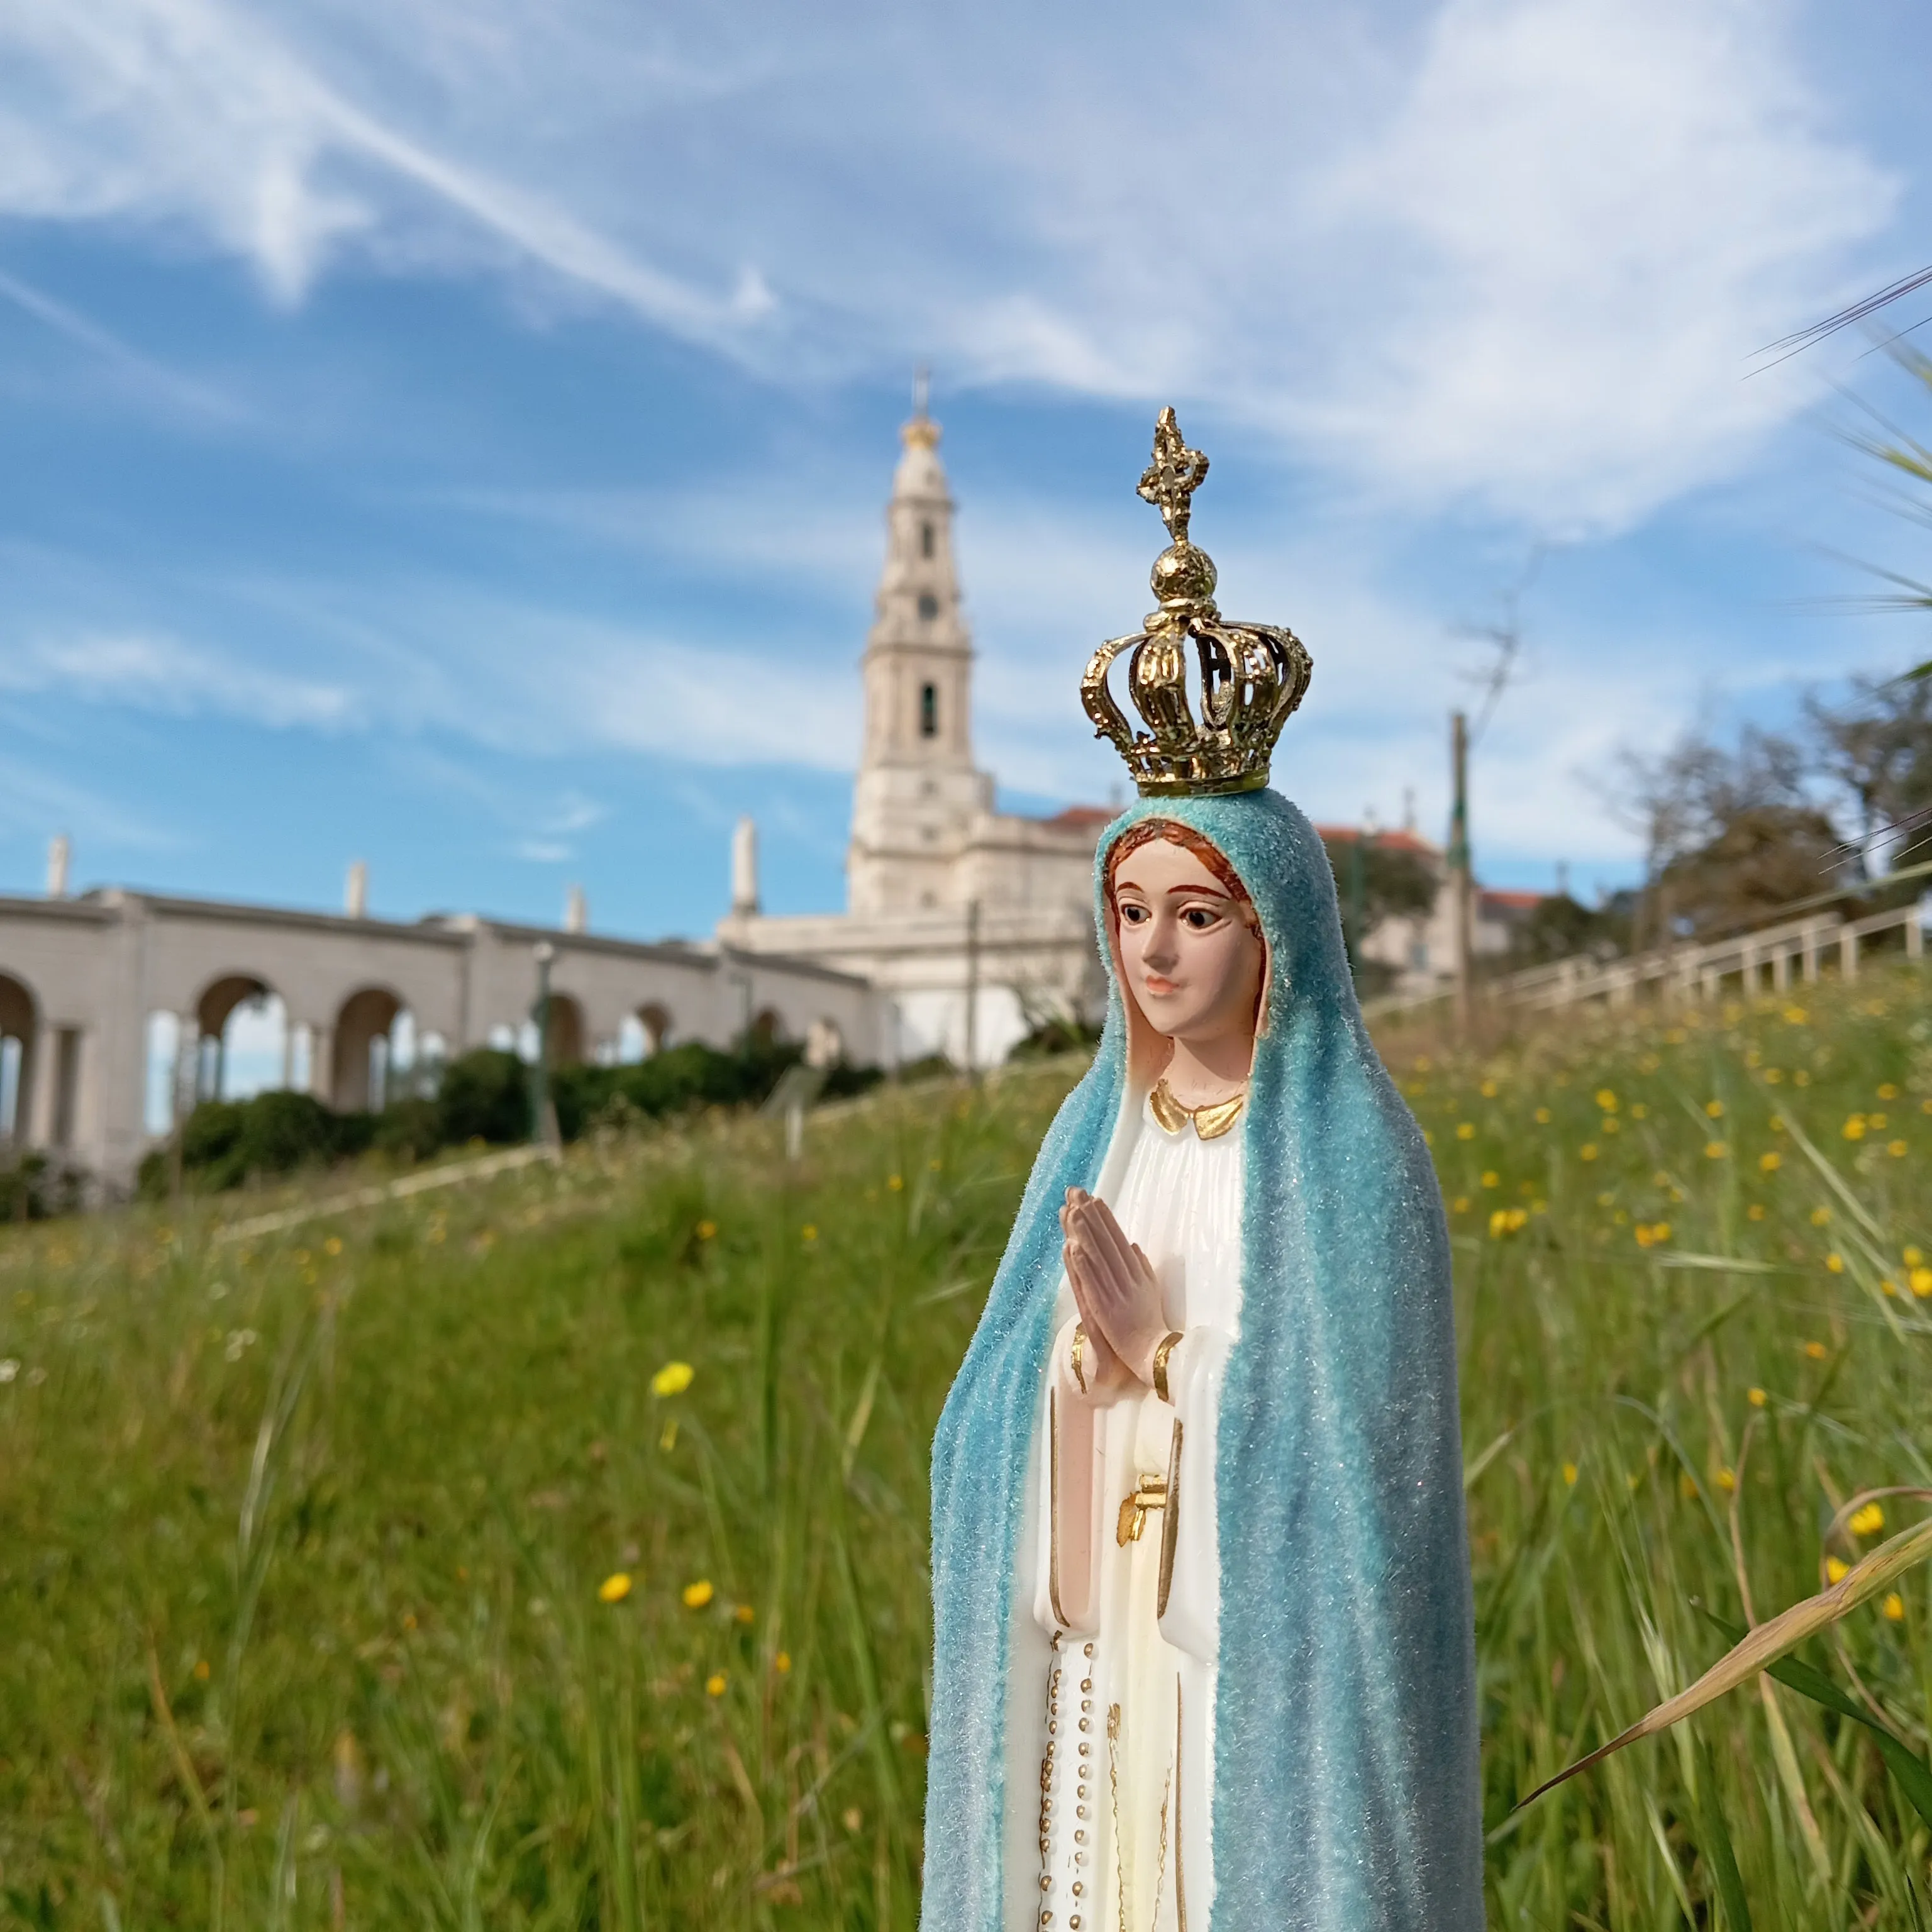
{"x": 1204, "y": 1657}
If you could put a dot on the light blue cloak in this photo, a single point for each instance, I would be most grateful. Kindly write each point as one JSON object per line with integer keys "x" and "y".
{"x": 1346, "y": 1795}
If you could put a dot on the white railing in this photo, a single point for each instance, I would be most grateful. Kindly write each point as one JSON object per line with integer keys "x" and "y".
{"x": 1765, "y": 960}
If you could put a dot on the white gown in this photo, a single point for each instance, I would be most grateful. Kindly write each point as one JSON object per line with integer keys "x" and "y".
{"x": 1124, "y": 1732}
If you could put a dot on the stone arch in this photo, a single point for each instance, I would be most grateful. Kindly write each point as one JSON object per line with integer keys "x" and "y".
{"x": 357, "y": 1072}
{"x": 248, "y": 1043}
{"x": 566, "y": 1030}
{"x": 654, "y": 1018}
{"x": 20, "y": 1027}
{"x": 225, "y": 1066}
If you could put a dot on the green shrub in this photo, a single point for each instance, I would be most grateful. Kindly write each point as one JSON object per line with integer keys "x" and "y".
{"x": 34, "y": 1188}
{"x": 485, "y": 1095}
{"x": 410, "y": 1129}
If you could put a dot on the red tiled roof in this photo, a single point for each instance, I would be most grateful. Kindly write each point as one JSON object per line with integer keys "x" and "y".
{"x": 1079, "y": 818}
{"x": 1404, "y": 841}
{"x": 1514, "y": 901}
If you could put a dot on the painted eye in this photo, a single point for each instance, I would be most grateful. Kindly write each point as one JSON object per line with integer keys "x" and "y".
{"x": 1199, "y": 917}
{"x": 1133, "y": 915}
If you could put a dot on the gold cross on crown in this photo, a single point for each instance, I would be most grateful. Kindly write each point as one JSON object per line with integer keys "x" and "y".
{"x": 1170, "y": 481}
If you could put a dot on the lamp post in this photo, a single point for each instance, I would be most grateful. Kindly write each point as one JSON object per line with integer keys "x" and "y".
{"x": 543, "y": 1115}
{"x": 1463, "y": 904}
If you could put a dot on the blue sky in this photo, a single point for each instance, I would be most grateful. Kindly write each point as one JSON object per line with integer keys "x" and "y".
{"x": 457, "y": 437}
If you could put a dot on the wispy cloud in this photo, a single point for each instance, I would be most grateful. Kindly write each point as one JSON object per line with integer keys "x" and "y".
{"x": 158, "y": 674}
{"x": 1509, "y": 253}
{"x": 147, "y": 377}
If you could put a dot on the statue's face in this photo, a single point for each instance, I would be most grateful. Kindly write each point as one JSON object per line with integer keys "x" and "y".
{"x": 1192, "y": 952}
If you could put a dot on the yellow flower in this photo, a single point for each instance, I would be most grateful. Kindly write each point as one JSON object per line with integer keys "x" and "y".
{"x": 333, "y": 1245}
{"x": 1817, "y": 1351}
{"x": 853, "y": 1819}
{"x": 1755, "y": 1212}
{"x": 1488, "y": 1089}
{"x": 1606, "y": 1100}
{"x": 1802, "y": 1078}
{"x": 744, "y": 1613}
{"x": 615, "y": 1588}
{"x": 1896, "y": 1149}
{"x": 1465, "y": 1130}
{"x": 782, "y": 1663}
{"x": 714, "y": 1684}
{"x": 1686, "y": 1487}
{"x": 1756, "y": 1398}
{"x": 1612, "y": 1125}
{"x": 1794, "y": 1016}
{"x": 1639, "y": 1112}
{"x": 1769, "y": 1163}
{"x": 707, "y": 1231}
{"x": 697, "y": 1595}
{"x": 809, "y": 1232}
{"x": 1727, "y": 1480}
{"x": 1868, "y": 1521}
{"x": 1854, "y": 1128}
{"x": 1715, "y": 1108}
{"x": 1911, "y": 1256}
{"x": 1821, "y": 1217}
{"x": 1894, "y": 1607}
{"x": 1607, "y": 1199}
{"x": 1777, "y": 1123}
{"x": 1570, "y": 1475}
{"x": 1774, "y": 1075}
{"x": 1460, "y": 1205}
{"x": 1888, "y": 1092}
{"x": 1877, "y": 1122}
{"x": 1835, "y": 1262}
{"x": 1588, "y": 1151}
{"x": 1920, "y": 1279}
{"x": 1836, "y": 1569}
{"x": 1715, "y": 1150}
{"x": 201, "y": 1672}
{"x": 1543, "y": 1116}
{"x": 1490, "y": 1177}
{"x": 895, "y": 1182}
{"x": 673, "y": 1378}
{"x": 1890, "y": 1286}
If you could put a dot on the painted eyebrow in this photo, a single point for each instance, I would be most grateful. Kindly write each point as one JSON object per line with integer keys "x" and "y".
{"x": 1176, "y": 891}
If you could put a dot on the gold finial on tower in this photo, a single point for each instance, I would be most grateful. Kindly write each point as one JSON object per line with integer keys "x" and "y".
{"x": 922, "y": 432}
{"x": 1249, "y": 676}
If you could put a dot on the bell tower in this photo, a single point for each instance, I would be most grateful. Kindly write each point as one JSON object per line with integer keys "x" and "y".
{"x": 917, "y": 792}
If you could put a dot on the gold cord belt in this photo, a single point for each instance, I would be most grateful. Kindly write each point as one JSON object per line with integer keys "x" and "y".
{"x": 1149, "y": 1493}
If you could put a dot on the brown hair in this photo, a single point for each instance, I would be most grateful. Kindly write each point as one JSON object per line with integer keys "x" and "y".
{"x": 1171, "y": 829}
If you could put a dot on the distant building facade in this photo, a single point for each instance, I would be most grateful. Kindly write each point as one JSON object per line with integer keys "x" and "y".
{"x": 977, "y": 924}
{"x": 1420, "y": 950}
{"x": 118, "y": 1010}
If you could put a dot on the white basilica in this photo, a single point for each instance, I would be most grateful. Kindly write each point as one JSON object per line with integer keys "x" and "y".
{"x": 977, "y": 924}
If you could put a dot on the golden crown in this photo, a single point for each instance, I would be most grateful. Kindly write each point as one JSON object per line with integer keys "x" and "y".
{"x": 1249, "y": 676}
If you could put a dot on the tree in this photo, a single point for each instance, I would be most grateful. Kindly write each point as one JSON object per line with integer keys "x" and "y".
{"x": 1732, "y": 834}
{"x": 1377, "y": 880}
{"x": 1878, "y": 746}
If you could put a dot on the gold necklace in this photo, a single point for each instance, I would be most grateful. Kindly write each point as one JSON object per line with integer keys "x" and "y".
{"x": 1211, "y": 1120}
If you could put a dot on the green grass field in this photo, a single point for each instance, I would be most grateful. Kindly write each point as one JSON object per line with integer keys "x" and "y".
{"x": 361, "y": 1576}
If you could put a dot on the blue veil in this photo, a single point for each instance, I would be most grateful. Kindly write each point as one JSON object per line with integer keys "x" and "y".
{"x": 1346, "y": 1795}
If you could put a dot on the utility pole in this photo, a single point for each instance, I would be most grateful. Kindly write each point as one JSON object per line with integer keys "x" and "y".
{"x": 1462, "y": 904}
{"x": 973, "y": 989}
{"x": 543, "y": 1114}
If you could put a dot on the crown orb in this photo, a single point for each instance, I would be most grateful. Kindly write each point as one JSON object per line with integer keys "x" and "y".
{"x": 1183, "y": 575}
